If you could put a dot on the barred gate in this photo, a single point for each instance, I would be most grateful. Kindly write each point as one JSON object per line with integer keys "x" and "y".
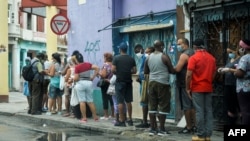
{"x": 220, "y": 28}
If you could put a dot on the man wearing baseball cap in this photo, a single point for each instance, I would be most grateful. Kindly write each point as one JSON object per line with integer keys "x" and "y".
{"x": 124, "y": 66}
{"x": 201, "y": 71}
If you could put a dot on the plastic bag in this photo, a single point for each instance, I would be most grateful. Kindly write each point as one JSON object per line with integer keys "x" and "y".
{"x": 74, "y": 98}
{"x": 61, "y": 86}
{"x": 111, "y": 90}
{"x": 26, "y": 89}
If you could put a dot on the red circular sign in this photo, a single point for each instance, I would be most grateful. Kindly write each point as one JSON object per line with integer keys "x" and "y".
{"x": 59, "y": 24}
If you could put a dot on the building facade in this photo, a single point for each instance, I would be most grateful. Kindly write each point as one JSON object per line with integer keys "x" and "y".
{"x": 99, "y": 26}
{"x": 27, "y": 28}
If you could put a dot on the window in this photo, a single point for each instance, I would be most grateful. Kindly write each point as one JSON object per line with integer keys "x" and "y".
{"x": 29, "y": 21}
{"x": 40, "y": 24}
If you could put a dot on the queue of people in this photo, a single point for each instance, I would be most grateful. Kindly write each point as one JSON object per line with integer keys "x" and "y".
{"x": 195, "y": 71}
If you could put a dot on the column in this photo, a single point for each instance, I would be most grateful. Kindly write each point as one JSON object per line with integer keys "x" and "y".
{"x": 16, "y": 67}
{"x": 51, "y": 36}
{"x": 4, "y": 90}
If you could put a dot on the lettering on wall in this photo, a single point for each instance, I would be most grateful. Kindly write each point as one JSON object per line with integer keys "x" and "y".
{"x": 90, "y": 51}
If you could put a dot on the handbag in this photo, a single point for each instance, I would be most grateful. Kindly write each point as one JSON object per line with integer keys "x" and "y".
{"x": 62, "y": 81}
{"x": 74, "y": 98}
{"x": 144, "y": 93}
{"x": 111, "y": 90}
{"x": 101, "y": 82}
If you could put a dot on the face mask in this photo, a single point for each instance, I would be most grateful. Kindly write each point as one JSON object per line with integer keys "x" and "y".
{"x": 179, "y": 48}
{"x": 139, "y": 55}
{"x": 241, "y": 51}
{"x": 231, "y": 55}
{"x": 146, "y": 55}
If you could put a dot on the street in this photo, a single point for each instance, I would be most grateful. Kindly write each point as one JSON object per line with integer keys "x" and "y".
{"x": 17, "y": 129}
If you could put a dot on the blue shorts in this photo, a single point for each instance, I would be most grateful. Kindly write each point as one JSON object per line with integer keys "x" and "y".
{"x": 54, "y": 92}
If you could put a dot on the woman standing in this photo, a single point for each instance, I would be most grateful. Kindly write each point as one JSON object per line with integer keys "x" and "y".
{"x": 54, "y": 91}
{"x": 232, "y": 105}
{"x": 106, "y": 74}
{"x": 84, "y": 87}
{"x": 243, "y": 82}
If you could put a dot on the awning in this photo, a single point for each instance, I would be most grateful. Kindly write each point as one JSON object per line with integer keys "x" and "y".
{"x": 181, "y": 2}
{"x": 149, "y": 21}
{"x": 136, "y": 28}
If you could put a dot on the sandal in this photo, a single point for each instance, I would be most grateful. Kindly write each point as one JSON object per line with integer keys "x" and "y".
{"x": 53, "y": 112}
{"x": 66, "y": 114}
{"x": 83, "y": 120}
{"x": 72, "y": 116}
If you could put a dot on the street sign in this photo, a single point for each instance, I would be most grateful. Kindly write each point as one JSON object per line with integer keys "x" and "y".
{"x": 59, "y": 24}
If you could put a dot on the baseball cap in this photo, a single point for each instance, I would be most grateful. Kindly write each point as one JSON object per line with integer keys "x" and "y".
{"x": 199, "y": 43}
{"x": 123, "y": 45}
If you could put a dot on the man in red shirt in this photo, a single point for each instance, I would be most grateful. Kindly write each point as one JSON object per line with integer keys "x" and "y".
{"x": 199, "y": 78}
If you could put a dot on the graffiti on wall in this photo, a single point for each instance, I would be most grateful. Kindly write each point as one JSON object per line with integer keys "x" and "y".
{"x": 91, "y": 52}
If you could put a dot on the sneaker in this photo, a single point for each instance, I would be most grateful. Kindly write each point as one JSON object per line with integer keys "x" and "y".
{"x": 48, "y": 113}
{"x": 152, "y": 132}
{"x": 59, "y": 113}
{"x": 143, "y": 125}
{"x": 130, "y": 122}
{"x": 163, "y": 133}
{"x": 104, "y": 118}
{"x": 185, "y": 131}
{"x": 197, "y": 138}
{"x": 121, "y": 124}
{"x": 194, "y": 129}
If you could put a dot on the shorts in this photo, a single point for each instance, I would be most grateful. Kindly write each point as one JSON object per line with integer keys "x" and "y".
{"x": 186, "y": 102}
{"x": 54, "y": 92}
{"x": 124, "y": 92}
{"x": 84, "y": 90}
{"x": 159, "y": 98}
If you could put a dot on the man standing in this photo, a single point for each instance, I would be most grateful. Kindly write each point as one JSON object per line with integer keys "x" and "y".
{"x": 201, "y": 71}
{"x": 36, "y": 85}
{"x": 158, "y": 65}
{"x": 124, "y": 66}
{"x": 139, "y": 51}
{"x": 181, "y": 69}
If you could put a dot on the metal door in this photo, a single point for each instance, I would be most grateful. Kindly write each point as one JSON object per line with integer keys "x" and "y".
{"x": 220, "y": 28}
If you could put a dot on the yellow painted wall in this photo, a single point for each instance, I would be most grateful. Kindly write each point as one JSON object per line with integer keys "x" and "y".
{"x": 51, "y": 36}
{"x": 4, "y": 90}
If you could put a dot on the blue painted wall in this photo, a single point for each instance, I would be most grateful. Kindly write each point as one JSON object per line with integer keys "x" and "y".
{"x": 86, "y": 19}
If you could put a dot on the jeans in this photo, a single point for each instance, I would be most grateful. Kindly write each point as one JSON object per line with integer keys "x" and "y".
{"x": 204, "y": 113}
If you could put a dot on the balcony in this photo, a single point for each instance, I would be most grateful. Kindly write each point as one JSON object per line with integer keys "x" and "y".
{"x": 30, "y": 35}
{"x": 14, "y": 30}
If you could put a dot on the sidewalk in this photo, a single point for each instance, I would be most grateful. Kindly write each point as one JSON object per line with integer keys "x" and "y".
{"x": 18, "y": 103}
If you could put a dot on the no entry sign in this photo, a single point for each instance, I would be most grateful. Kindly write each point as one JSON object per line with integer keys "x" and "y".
{"x": 59, "y": 24}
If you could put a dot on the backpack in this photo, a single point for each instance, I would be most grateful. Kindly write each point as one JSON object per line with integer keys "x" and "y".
{"x": 28, "y": 73}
